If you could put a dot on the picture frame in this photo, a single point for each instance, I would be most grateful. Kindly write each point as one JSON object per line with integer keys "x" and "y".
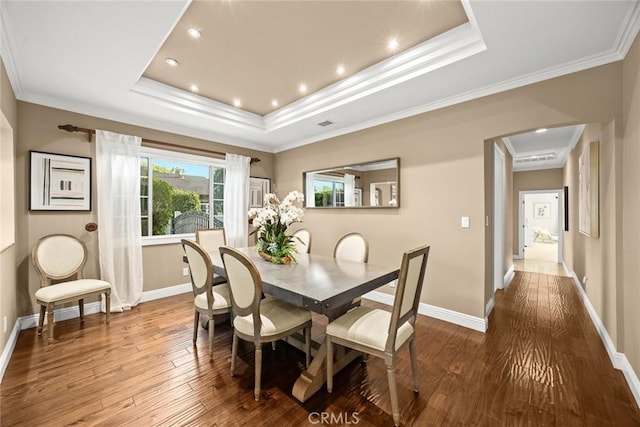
{"x": 542, "y": 210}
{"x": 588, "y": 190}
{"x": 357, "y": 193}
{"x": 258, "y": 187}
{"x": 59, "y": 182}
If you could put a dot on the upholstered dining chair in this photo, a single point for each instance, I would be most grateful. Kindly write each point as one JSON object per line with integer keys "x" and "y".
{"x": 302, "y": 241}
{"x": 256, "y": 319}
{"x": 208, "y": 300}
{"x": 59, "y": 257}
{"x": 352, "y": 247}
{"x": 211, "y": 240}
{"x": 381, "y": 333}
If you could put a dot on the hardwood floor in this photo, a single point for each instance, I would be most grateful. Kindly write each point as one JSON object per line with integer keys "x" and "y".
{"x": 540, "y": 363}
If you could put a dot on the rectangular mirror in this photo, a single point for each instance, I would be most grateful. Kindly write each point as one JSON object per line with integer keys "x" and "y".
{"x": 363, "y": 185}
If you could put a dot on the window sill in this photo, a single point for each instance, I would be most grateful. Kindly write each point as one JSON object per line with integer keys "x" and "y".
{"x": 166, "y": 240}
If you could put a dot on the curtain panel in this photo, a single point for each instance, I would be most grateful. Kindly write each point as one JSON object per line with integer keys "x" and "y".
{"x": 119, "y": 228}
{"x": 236, "y": 200}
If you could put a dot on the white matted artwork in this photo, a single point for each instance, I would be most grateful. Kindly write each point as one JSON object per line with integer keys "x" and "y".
{"x": 542, "y": 210}
{"x": 588, "y": 191}
{"x": 59, "y": 182}
{"x": 258, "y": 187}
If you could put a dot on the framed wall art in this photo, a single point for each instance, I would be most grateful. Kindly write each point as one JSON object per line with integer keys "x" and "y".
{"x": 588, "y": 191}
{"x": 58, "y": 182}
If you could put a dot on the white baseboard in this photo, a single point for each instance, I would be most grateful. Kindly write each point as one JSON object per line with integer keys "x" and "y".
{"x": 165, "y": 292}
{"x": 618, "y": 360}
{"x": 461, "y": 319}
{"x": 489, "y": 308}
{"x": 509, "y": 276}
{"x": 8, "y": 349}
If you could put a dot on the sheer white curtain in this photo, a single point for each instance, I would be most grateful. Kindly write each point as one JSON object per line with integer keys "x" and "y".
{"x": 119, "y": 230}
{"x": 349, "y": 189}
{"x": 309, "y": 197}
{"x": 236, "y": 200}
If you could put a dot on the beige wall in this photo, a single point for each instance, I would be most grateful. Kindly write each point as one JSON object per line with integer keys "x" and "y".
{"x": 548, "y": 179}
{"x": 38, "y": 130}
{"x": 442, "y": 177}
{"x": 8, "y": 309}
{"x": 629, "y": 294}
{"x": 597, "y": 257}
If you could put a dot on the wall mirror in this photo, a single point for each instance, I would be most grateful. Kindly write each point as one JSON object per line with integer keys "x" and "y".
{"x": 362, "y": 185}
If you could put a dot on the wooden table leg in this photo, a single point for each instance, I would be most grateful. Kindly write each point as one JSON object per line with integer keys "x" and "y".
{"x": 314, "y": 378}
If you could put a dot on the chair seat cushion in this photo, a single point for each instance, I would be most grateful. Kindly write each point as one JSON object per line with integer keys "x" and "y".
{"x": 221, "y": 298}
{"x": 71, "y": 289}
{"x": 368, "y": 326}
{"x": 277, "y": 316}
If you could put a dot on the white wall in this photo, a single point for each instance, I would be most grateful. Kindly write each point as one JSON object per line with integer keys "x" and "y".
{"x": 530, "y": 201}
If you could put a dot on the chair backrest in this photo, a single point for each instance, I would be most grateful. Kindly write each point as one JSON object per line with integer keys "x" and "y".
{"x": 211, "y": 239}
{"x": 352, "y": 247}
{"x": 408, "y": 290}
{"x": 245, "y": 284}
{"x": 59, "y": 256}
{"x": 200, "y": 269}
{"x": 302, "y": 241}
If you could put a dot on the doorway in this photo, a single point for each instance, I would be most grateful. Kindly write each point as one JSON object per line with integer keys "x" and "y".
{"x": 540, "y": 225}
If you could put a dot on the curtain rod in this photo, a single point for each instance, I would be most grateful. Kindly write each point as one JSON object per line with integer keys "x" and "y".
{"x": 89, "y": 132}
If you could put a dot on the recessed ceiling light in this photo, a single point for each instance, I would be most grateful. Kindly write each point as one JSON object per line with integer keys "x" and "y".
{"x": 237, "y": 103}
{"x": 274, "y": 103}
{"x": 302, "y": 88}
{"x": 393, "y": 44}
{"x": 194, "y": 33}
{"x": 541, "y": 130}
{"x": 194, "y": 88}
{"x": 172, "y": 62}
{"x": 340, "y": 70}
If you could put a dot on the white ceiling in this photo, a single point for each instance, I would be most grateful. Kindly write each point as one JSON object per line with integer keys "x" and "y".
{"x": 89, "y": 57}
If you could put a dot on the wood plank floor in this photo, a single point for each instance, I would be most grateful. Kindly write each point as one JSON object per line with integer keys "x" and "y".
{"x": 540, "y": 363}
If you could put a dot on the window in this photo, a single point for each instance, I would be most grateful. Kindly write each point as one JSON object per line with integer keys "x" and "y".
{"x": 179, "y": 193}
{"x": 328, "y": 191}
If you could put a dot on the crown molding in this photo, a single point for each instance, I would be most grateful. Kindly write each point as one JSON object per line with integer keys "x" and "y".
{"x": 577, "y": 134}
{"x": 7, "y": 51}
{"x": 187, "y": 102}
{"x": 509, "y": 145}
{"x": 492, "y": 89}
{"x": 628, "y": 31}
{"x": 140, "y": 120}
{"x": 452, "y": 46}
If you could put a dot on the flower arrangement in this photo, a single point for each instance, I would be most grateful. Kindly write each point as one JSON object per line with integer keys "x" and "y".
{"x": 271, "y": 222}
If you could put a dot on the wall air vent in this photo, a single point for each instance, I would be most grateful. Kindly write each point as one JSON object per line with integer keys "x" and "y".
{"x": 325, "y": 123}
{"x": 536, "y": 158}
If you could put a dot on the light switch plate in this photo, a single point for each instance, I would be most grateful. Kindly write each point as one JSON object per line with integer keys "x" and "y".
{"x": 464, "y": 222}
{"x": 185, "y": 271}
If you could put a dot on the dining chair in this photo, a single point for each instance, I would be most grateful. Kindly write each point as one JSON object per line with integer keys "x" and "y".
{"x": 56, "y": 258}
{"x": 211, "y": 240}
{"x": 302, "y": 241}
{"x": 352, "y": 247}
{"x": 256, "y": 319}
{"x": 208, "y": 300}
{"x": 381, "y": 333}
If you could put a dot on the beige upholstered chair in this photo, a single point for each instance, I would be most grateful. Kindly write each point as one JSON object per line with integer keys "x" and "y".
{"x": 352, "y": 247}
{"x": 302, "y": 241}
{"x": 208, "y": 300}
{"x": 211, "y": 240}
{"x": 259, "y": 320}
{"x": 380, "y": 333}
{"x": 58, "y": 257}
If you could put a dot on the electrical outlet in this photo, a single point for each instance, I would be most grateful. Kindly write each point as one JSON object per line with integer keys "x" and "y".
{"x": 585, "y": 279}
{"x": 185, "y": 271}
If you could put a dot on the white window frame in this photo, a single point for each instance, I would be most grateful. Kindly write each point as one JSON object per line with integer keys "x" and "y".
{"x": 159, "y": 154}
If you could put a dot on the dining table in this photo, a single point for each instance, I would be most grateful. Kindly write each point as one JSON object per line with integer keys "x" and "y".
{"x": 323, "y": 285}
